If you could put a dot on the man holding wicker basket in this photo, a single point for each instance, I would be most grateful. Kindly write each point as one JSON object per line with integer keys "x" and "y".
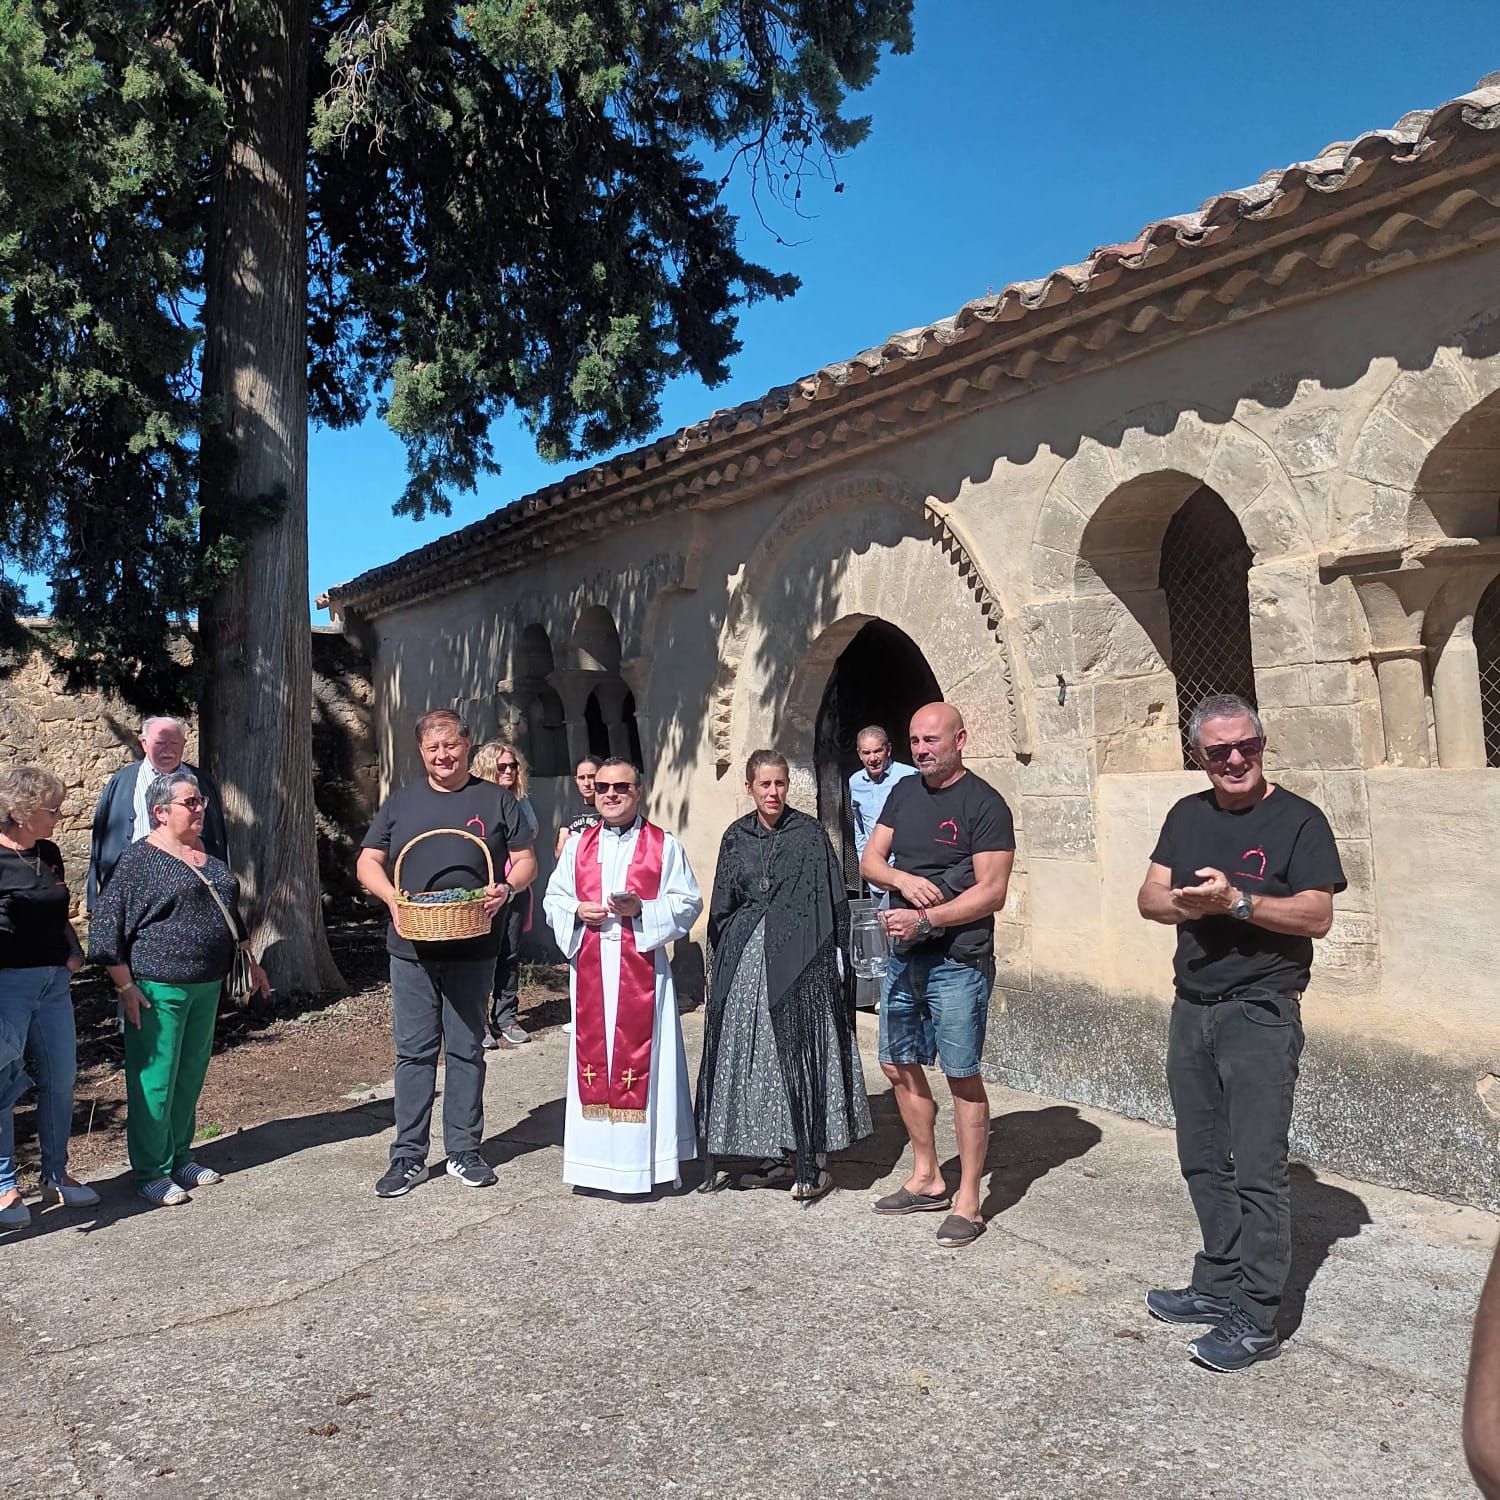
{"x": 449, "y": 832}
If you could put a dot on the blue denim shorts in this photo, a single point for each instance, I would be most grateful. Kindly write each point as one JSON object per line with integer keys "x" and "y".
{"x": 932, "y": 1008}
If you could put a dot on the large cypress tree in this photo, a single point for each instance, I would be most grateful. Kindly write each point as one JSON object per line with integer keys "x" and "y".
{"x": 221, "y": 217}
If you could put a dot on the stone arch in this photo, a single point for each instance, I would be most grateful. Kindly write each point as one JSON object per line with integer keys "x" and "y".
{"x": 1155, "y": 456}
{"x": 595, "y": 643}
{"x": 841, "y": 555}
{"x": 1397, "y": 487}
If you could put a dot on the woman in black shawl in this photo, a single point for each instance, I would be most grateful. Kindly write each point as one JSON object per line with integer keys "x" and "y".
{"x": 781, "y": 1077}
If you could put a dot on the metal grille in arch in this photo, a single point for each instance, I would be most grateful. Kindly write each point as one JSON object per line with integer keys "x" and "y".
{"x": 1487, "y": 644}
{"x": 1205, "y": 571}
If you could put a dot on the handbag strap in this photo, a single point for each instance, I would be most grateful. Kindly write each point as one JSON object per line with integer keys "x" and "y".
{"x": 234, "y": 930}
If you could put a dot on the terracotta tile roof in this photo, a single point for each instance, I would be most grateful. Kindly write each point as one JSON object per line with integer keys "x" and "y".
{"x": 1416, "y": 139}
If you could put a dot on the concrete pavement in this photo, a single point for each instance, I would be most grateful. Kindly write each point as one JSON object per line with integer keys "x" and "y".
{"x": 288, "y": 1334}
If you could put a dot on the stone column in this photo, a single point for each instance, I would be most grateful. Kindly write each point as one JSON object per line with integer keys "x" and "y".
{"x": 637, "y": 674}
{"x": 1403, "y": 705}
{"x": 1456, "y": 705}
{"x": 573, "y": 687}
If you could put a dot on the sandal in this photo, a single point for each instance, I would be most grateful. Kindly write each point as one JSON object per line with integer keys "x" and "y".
{"x": 772, "y": 1172}
{"x": 904, "y": 1202}
{"x": 810, "y": 1192}
{"x": 958, "y": 1231}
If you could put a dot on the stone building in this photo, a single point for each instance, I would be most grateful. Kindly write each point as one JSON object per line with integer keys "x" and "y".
{"x": 1255, "y": 448}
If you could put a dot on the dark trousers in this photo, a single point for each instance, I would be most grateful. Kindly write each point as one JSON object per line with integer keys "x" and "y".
{"x": 433, "y": 1002}
{"x": 508, "y": 965}
{"x": 1231, "y": 1069}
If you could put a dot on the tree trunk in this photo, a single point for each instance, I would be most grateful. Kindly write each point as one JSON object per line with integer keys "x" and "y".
{"x": 255, "y": 634}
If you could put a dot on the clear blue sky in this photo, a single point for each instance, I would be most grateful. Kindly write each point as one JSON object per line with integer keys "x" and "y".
{"x": 1013, "y": 139}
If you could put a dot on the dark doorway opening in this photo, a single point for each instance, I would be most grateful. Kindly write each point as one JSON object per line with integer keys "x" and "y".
{"x": 880, "y": 678}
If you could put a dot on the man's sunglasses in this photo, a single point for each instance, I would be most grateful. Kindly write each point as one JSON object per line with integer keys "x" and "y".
{"x": 614, "y": 786}
{"x": 1218, "y": 755}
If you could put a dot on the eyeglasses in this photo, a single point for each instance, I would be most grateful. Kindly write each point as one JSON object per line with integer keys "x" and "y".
{"x": 192, "y": 804}
{"x": 52, "y": 812}
{"x": 614, "y": 786}
{"x": 1218, "y": 755}
{"x": 507, "y": 765}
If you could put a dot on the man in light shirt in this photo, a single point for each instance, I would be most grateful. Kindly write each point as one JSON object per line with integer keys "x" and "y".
{"x": 871, "y": 784}
{"x": 122, "y": 816}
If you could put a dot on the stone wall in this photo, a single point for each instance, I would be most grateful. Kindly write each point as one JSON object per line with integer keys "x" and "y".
{"x": 1354, "y": 439}
{"x": 85, "y": 737}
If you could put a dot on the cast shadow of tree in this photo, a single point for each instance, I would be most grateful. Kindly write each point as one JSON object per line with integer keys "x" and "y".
{"x": 275, "y": 1141}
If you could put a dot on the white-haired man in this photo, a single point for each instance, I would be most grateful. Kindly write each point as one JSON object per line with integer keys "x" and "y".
{"x": 121, "y": 816}
{"x": 1246, "y": 872}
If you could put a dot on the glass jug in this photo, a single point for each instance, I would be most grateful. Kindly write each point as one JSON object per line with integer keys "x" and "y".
{"x": 869, "y": 944}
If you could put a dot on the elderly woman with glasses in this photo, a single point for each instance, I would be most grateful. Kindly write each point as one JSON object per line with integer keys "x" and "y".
{"x": 39, "y": 951}
{"x": 166, "y": 926}
{"x": 500, "y": 762}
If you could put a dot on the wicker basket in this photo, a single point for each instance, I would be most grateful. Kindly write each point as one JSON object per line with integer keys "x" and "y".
{"x": 441, "y": 922}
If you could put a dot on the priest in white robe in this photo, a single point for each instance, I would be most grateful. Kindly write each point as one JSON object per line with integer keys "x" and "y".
{"x": 621, "y": 892}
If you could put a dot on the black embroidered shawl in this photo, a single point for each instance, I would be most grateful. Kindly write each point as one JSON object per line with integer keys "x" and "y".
{"x": 806, "y": 914}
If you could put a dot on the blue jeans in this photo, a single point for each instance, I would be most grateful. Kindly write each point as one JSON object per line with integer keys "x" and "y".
{"x": 934, "y": 1008}
{"x": 36, "y": 1029}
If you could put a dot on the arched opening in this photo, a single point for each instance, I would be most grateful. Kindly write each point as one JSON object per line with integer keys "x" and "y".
{"x": 1487, "y": 648}
{"x": 596, "y": 730}
{"x": 533, "y": 655}
{"x": 1458, "y": 491}
{"x": 881, "y": 677}
{"x": 1205, "y": 579}
{"x": 547, "y": 733}
{"x": 632, "y": 731}
{"x": 596, "y": 641}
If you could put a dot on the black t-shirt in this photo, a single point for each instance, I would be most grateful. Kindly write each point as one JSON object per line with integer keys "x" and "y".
{"x": 480, "y": 807}
{"x": 33, "y": 908}
{"x": 1279, "y": 847}
{"x": 936, "y": 835}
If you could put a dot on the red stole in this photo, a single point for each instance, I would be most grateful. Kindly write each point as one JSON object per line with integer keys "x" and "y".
{"x": 618, "y": 1094}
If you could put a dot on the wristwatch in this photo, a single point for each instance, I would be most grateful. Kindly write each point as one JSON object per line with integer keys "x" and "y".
{"x": 1241, "y": 907}
{"x": 924, "y": 924}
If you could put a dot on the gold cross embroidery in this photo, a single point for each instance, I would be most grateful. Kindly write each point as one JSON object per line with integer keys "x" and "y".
{"x": 589, "y": 1075}
{"x": 627, "y": 1079}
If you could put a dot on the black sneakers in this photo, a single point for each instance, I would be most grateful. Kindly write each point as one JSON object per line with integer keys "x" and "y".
{"x": 1235, "y": 1344}
{"x": 401, "y": 1176}
{"x": 472, "y": 1170}
{"x": 1187, "y": 1306}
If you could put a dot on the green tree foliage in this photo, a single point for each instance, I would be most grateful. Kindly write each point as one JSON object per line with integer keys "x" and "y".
{"x": 104, "y": 130}
{"x": 505, "y": 212}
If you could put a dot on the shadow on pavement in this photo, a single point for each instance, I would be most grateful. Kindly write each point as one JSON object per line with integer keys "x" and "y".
{"x": 274, "y": 1141}
{"x": 874, "y": 1159}
{"x": 1025, "y": 1145}
{"x": 1322, "y": 1215}
{"x": 539, "y": 1131}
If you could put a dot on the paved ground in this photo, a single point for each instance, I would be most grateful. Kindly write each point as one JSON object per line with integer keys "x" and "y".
{"x": 290, "y": 1335}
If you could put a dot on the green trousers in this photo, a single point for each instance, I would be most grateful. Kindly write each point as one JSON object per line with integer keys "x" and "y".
{"x": 166, "y": 1061}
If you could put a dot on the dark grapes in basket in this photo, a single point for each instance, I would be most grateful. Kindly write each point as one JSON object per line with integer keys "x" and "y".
{"x": 443, "y": 898}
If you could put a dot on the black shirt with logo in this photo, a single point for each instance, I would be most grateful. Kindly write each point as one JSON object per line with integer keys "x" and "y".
{"x": 34, "y": 930}
{"x": 936, "y": 834}
{"x": 1280, "y": 846}
{"x": 444, "y": 864}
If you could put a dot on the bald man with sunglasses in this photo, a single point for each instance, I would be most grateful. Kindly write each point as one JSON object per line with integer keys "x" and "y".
{"x": 1246, "y": 872}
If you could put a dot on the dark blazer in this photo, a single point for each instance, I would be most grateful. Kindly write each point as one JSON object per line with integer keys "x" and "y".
{"x": 114, "y": 824}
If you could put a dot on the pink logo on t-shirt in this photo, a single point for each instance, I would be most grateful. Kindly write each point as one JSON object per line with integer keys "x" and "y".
{"x": 477, "y": 822}
{"x": 1253, "y": 854}
{"x": 951, "y": 836}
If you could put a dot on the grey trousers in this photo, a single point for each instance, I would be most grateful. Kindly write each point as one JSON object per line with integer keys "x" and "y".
{"x": 432, "y": 1003}
{"x": 1231, "y": 1069}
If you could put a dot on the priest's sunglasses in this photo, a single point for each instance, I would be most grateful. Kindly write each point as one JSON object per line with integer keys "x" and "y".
{"x": 614, "y": 786}
{"x": 1218, "y": 755}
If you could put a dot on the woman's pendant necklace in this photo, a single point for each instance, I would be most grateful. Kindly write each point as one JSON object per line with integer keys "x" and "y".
{"x": 766, "y": 858}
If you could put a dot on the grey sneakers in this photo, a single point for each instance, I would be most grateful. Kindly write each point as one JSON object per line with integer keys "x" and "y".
{"x": 1187, "y": 1306}
{"x": 1236, "y": 1344}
